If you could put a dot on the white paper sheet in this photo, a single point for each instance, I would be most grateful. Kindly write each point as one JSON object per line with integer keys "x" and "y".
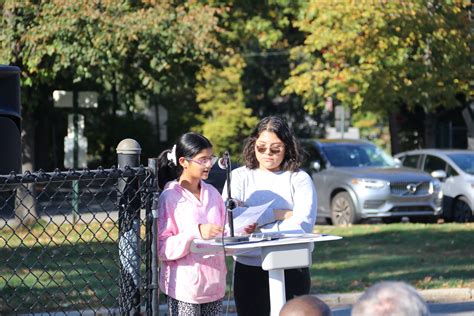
{"x": 249, "y": 216}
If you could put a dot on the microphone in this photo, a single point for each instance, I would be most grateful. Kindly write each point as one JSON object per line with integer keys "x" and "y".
{"x": 223, "y": 162}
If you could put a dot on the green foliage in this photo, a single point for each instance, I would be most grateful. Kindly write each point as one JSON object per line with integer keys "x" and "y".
{"x": 134, "y": 43}
{"x": 249, "y": 74}
{"x": 261, "y": 32}
{"x": 374, "y": 55}
{"x": 118, "y": 48}
{"x": 225, "y": 119}
{"x": 257, "y": 26}
{"x": 278, "y": 57}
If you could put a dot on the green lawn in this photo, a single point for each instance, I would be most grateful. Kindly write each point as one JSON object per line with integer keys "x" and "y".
{"x": 56, "y": 268}
{"x": 426, "y": 255}
{"x": 76, "y": 267}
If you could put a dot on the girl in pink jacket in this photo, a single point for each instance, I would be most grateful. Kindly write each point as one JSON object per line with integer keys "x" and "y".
{"x": 189, "y": 208}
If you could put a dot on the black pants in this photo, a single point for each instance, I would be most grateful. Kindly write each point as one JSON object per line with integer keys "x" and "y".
{"x": 251, "y": 289}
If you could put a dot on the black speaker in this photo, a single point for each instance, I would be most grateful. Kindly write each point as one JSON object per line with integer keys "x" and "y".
{"x": 10, "y": 120}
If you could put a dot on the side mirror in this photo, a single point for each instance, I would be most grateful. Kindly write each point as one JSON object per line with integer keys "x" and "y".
{"x": 398, "y": 162}
{"x": 439, "y": 174}
{"x": 316, "y": 166}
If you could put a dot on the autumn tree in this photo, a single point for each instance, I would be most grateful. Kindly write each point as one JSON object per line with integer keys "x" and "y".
{"x": 259, "y": 36}
{"x": 118, "y": 48}
{"x": 224, "y": 117}
{"x": 383, "y": 55}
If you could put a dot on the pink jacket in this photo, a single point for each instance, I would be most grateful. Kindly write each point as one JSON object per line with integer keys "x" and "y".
{"x": 187, "y": 276}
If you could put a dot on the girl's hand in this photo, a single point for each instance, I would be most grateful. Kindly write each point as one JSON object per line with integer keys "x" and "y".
{"x": 209, "y": 231}
{"x": 282, "y": 214}
{"x": 250, "y": 228}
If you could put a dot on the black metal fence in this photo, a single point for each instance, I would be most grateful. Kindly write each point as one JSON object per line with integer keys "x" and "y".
{"x": 92, "y": 247}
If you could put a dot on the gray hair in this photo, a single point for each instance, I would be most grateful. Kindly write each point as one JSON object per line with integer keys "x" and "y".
{"x": 390, "y": 298}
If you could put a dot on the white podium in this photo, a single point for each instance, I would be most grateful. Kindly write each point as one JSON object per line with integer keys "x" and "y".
{"x": 287, "y": 252}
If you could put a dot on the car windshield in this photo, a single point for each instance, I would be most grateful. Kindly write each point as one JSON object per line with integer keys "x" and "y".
{"x": 357, "y": 155}
{"x": 465, "y": 161}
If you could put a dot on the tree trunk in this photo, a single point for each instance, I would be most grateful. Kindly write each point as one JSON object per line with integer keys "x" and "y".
{"x": 468, "y": 117}
{"x": 25, "y": 205}
{"x": 429, "y": 136}
{"x": 394, "y": 132}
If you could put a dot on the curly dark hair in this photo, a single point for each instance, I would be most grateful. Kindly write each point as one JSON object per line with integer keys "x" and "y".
{"x": 275, "y": 124}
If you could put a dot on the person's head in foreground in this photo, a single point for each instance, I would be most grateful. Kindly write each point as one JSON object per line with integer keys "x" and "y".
{"x": 305, "y": 305}
{"x": 390, "y": 298}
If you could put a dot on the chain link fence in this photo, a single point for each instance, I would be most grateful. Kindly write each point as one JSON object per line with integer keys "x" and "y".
{"x": 79, "y": 242}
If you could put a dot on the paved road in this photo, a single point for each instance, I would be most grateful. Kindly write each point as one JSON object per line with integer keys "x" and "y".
{"x": 437, "y": 309}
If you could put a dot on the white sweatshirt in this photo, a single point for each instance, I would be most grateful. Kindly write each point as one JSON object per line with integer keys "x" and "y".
{"x": 288, "y": 191}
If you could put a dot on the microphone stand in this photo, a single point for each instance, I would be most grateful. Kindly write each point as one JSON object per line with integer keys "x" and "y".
{"x": 230, "y": 204}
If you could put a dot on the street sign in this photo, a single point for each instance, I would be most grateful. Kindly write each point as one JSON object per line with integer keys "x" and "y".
{"x": 351, "y": 133}
{"x": 339, "y": 112}
{"x": 338, "y": 125}
{"x": 85, "y": 99}
{"x": 342, "y": 118}
{"x": 62, "y": 99}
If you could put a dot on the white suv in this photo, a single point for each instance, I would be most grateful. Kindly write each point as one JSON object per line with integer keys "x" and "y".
{"x": 457, "y": 180}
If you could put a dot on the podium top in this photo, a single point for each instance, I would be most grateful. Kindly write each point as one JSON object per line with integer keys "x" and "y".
{"x": 212, "y": 246}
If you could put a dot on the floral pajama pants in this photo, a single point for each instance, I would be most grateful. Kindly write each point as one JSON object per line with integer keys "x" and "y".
{"x": 179, "y": 308}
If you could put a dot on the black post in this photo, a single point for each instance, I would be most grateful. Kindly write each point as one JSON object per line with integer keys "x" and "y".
{"x": 128, "y": 154}
{"x": 75, "y": 156}
{"x": 75, "y": 119}
{"x": 152, "y": 268}
{"x": 10, "y": 120}
{"x": 10, "y": 143}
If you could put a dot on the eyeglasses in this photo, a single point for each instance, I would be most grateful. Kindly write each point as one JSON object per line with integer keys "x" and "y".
{"x": 204, "y": 161}
{"x": 273, "y": 150}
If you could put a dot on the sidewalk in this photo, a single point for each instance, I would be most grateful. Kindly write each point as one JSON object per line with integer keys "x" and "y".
{"x": 344, "y": 299}
{"x": 430, "y": 296}
{"x": 333, "y": 300}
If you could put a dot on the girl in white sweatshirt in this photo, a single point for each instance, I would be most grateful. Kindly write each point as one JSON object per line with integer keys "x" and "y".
{"x": 272, "y": 159}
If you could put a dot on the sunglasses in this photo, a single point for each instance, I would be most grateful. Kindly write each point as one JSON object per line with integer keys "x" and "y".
{"x": 204, "y": 161}
{"x": 273, "y": 150}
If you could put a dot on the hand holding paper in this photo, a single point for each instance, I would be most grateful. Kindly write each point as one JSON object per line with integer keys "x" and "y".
{"x": 249, "y": 216}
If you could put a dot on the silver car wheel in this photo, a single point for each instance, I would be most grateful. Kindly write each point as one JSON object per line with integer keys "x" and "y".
{"x": 343, "y": 210}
